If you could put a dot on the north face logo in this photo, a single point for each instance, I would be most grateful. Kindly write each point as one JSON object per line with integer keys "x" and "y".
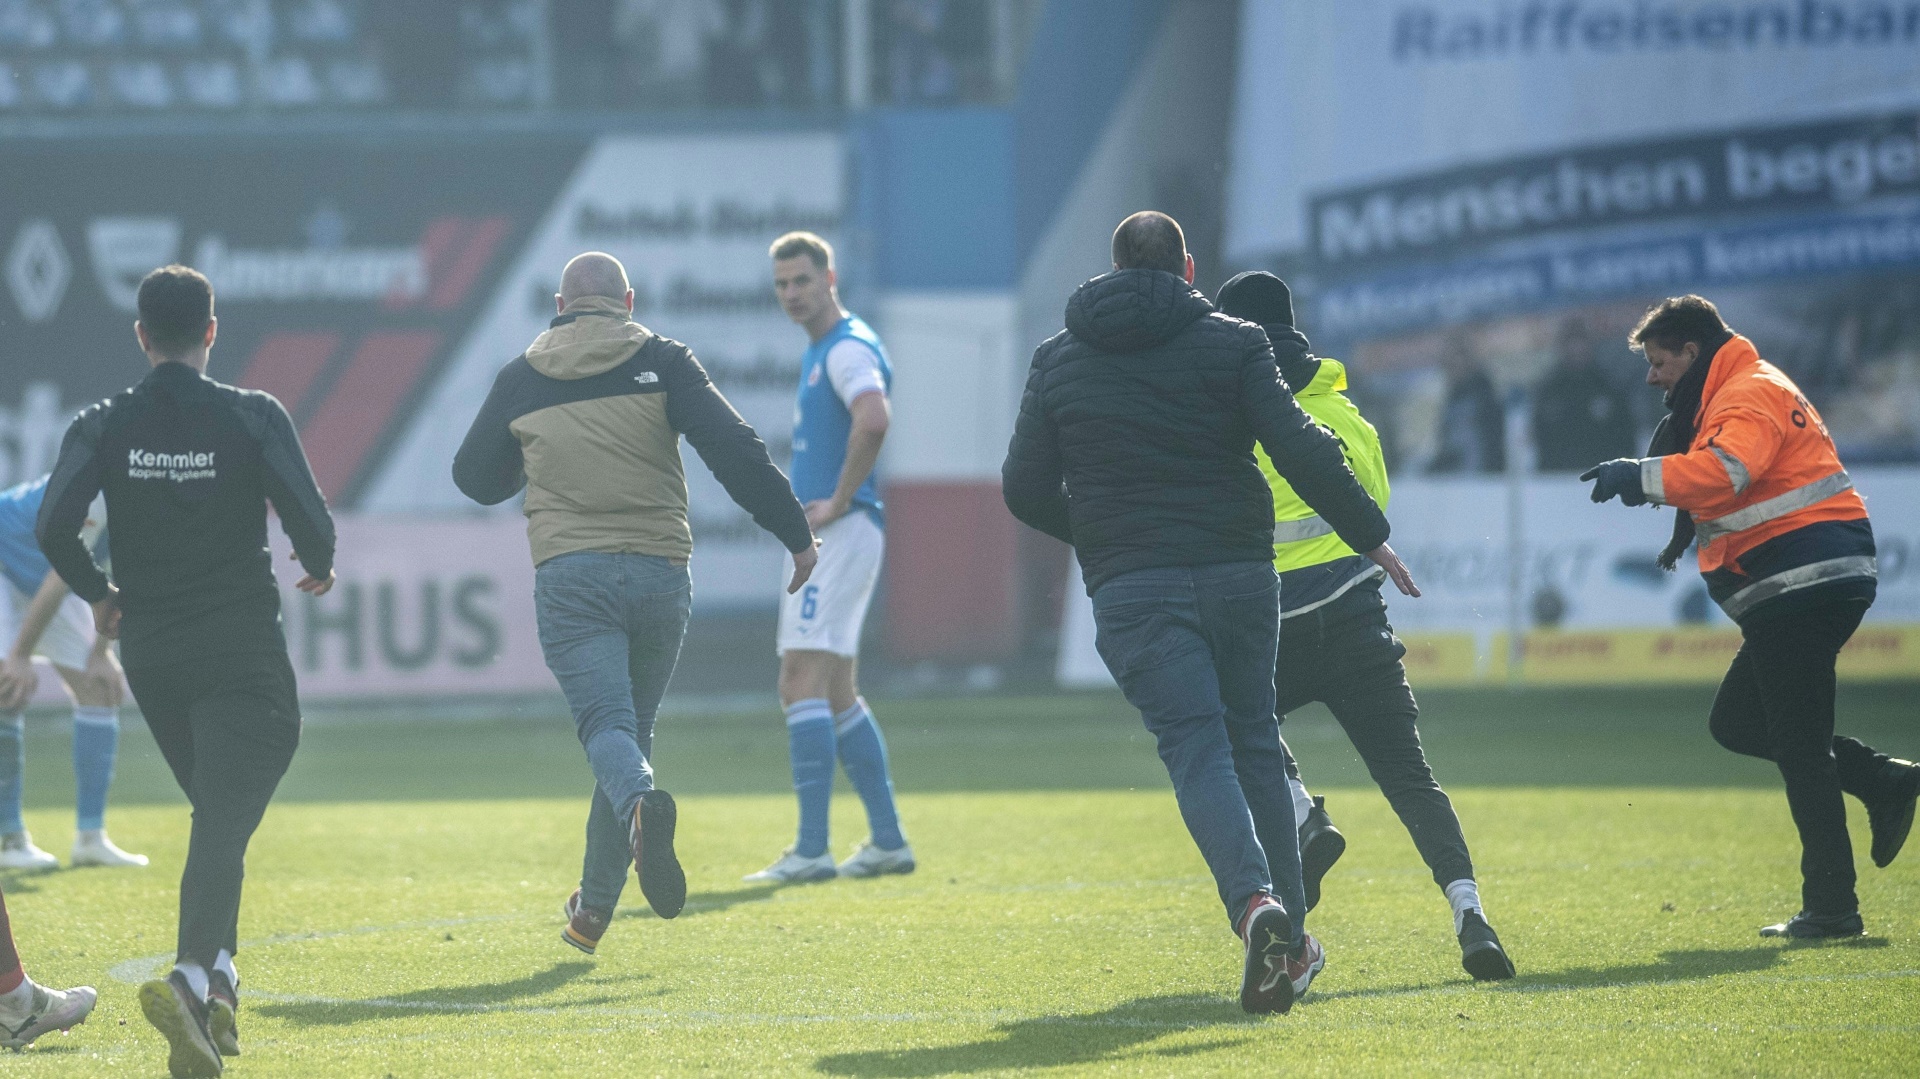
{"x": 646, "y": 377}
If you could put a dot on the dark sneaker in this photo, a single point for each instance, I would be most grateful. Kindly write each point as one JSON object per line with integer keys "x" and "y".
{"x": 585, "y": 925}
{"x": 223, "y": 1008}
{"x": 1265, "y": 985}
{"x": 662, "y": 880}
{"x": 1480, "y": 950}
{"x": 171, "y": 1005}
{"x": 1807, "y": 925}
{"x": 1303, "y": 963}
{"x": 1891, "y": 817}
{"x": 1321, "y": 845}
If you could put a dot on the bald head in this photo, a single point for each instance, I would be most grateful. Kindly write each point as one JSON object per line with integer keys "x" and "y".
{"x": 595, "y": 273}
{"x": 1150, "y": 240}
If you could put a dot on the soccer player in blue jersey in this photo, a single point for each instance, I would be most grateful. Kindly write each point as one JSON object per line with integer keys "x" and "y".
{"x": 839, "y": 423}
{"x": 49, "y": 621}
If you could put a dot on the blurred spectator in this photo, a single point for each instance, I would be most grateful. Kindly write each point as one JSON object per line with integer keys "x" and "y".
{"x": 665, "y": 45}
{"x": 1472, "y": 436}
{"x": 1580, "y": 416}
{"x": 919, "y": 68}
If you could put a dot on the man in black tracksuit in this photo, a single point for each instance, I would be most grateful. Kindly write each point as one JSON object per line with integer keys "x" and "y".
{"x": 188, "y": 466}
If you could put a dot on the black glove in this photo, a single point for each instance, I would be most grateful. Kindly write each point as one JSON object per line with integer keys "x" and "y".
{"x": 1617, "y": 477}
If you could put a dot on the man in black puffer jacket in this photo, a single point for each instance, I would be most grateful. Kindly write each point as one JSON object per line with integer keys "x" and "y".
{"x": 1135, "y": 444}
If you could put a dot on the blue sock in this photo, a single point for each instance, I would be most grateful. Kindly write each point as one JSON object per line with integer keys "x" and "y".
{"x": 96, "y": 738}
{"x": 864, "y": 754}
{"x": 13, "y": 762}
{"x": 810, "y": 740}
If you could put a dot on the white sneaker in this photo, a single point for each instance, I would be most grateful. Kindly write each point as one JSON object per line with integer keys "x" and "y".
{"x": 18, "y": 852}
{"x": 94, "y": 848}
{"x": 793, "y": 869}
{"x": 52, "y": 1009}
{"x": 871, "y": 861}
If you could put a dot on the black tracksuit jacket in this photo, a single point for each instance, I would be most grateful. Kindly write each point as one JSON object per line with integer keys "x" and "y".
{"x": 1135, "y": 437}
{"x": 188, "y": 466}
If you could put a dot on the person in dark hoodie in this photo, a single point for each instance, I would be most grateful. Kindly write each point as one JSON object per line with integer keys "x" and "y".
{"x": 1134, "y": 443}
{"x": 589, "y": 421}
{"x": 1337, "y": 647}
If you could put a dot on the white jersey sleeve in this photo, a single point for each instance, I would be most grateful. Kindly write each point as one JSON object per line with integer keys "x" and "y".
{"x": 854, "y": 370}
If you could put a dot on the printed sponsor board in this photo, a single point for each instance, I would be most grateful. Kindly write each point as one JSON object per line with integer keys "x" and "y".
{"x": 345, "y": 270}
{"x": 691, "y": 217}
{"x": 1595, "y": 607}
{"x": 1602, "y": 111}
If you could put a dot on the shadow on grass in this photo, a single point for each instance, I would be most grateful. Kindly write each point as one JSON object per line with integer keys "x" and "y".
{"x": 22, "y": 881}
{"x": 706, "y": 902}
{"x": 1051, "y": 1041}
{"x": 456, "y": 998}
{"x": 1674, "y": 966}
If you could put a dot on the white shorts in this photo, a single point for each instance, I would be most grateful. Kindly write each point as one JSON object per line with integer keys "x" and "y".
{"x": 828, "y": 611}
{"x": 68, "y": 641}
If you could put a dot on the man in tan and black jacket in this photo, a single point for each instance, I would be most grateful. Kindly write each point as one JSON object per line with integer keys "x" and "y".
{"x": 589, "y": 421}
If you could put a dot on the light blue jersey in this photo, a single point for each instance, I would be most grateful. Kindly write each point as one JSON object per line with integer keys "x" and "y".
{"x": 822, "y": 422}
{"x": 20, "y": 557}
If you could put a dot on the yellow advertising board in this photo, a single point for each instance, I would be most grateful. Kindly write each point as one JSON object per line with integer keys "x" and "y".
{"x": 1877, "y": 652}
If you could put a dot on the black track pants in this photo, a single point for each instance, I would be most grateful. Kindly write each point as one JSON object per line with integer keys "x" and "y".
{"x": 228, "y": 729}
{"x": 1346, "y": 656}
{"x": 1776, "y": 703}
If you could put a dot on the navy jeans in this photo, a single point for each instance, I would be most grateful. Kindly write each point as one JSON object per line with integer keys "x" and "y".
{"x": 1193, "y": 649}
{"x": 611, "y": 626}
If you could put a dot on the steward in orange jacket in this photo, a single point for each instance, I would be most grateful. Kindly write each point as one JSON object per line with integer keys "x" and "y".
{"x": 1787, "y": 551}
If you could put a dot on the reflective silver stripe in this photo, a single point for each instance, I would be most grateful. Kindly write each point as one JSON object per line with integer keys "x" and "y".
{"x": 1813, "y": 573}
{"x": 1651, "y": 483}
{"x": 1736, "y": 471}
{"x": 1778, "y": 506}
{"x": 1305, "y": 528}
{"x": 1371, "y": 573}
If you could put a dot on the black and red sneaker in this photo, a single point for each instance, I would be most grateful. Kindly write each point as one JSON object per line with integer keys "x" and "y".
{"x": 1265, "y": 984}
{"x": 1303, "y": 963}
{"x": 662, "y": 880}
{"x": 223, "y": 1012}
{"x": 585, "y": 925}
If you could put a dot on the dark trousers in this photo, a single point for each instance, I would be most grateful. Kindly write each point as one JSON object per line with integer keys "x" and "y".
{"x": 1346, "y": 656}
{"x": 1776, "y": 703}
{"x": 228, "y": 728}
{"x": 1191, "y": 647}
{"x": 10, "y": 973}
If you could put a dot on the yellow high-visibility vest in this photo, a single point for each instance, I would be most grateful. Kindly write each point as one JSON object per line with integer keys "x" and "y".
{"x": 1300, "y": 538}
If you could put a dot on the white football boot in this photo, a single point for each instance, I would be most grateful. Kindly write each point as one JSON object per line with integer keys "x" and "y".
{"x": 793, "y": 869}
{"x": 871, "y": 861}
{"x": 18, "y": 852}
{"x": 47, "y": 1009}
{"x": 94, "y": 848}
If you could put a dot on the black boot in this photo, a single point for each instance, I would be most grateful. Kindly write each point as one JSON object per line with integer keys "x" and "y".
{"x": 1480, "y": 951}
{"x": 1807, "y": 925}
{"x": 1321, "y": 845}
{"x": 1890, "y": 817}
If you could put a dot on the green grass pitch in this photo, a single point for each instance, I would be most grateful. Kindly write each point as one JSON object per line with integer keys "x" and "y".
{"x": 403, "y": 895}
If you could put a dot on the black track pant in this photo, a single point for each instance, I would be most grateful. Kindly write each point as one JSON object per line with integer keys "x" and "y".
{"x": 1346, "y": 656}
{"x": 1776, "y": 703}
{"x": 228, "y": 729}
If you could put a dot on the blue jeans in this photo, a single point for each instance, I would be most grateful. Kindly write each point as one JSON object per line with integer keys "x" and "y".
{"x": 1193, "y": 648}
{"x": 611, "y": 626}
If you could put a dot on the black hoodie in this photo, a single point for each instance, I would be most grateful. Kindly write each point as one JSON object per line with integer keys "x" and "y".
{"x": 1135, "y": 436}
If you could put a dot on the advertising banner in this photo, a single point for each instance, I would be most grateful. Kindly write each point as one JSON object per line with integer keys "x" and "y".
{"x": 346, "y": 270}
{"x": 691, "y": 217}
{"x": 1592, "y": 607}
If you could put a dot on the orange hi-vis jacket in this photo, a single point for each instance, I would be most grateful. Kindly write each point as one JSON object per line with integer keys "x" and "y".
{"x": 1773, "y": 507}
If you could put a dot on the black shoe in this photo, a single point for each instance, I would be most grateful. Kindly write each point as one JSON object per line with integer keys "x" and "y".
{"x": 177, "y": 1012}
{"x": 223, "y": 1009}
{"x": 662, "y": 880}
{"x": 1266, "y": 985}
{"x": 1807, "y": 925}
{"x": 1321, "y": 845}
{"x": 1890, "y": 818}
{"x": 1480, "y": 950}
